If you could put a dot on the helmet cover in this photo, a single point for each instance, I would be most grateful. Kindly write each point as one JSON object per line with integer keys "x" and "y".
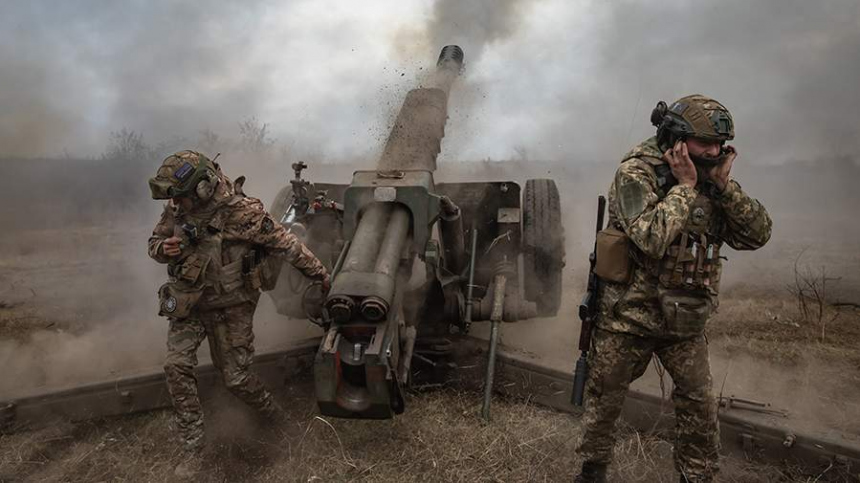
{"x": 179, "y": 175}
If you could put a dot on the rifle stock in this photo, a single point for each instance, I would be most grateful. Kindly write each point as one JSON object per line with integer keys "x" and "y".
{"x": 587, "y": 315}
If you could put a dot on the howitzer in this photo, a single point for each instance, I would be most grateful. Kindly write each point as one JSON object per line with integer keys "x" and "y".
{"x": 381, "y": 314}
{"x": 587, "y": 315}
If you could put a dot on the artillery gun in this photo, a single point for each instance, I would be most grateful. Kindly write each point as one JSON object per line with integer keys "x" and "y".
{"x": 383, "y": 311}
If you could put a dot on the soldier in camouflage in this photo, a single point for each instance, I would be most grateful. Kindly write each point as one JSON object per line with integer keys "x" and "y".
{"x": 221, "y": 247}
{"x": 676, "y": 204}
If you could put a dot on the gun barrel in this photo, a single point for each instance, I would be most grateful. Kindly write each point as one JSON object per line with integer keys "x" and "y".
{"x": 416, "y": 138}
{"x": 365, "y": 244}
{"x": 365, "y": 357}
{"x": 369, "y": 272}
{"x": 393, "y": 242}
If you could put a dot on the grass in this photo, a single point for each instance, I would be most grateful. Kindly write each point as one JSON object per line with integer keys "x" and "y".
{"x": 439, "y": 439}
{"x": 773, "y": 328}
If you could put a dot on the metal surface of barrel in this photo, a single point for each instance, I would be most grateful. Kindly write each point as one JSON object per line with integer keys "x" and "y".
{"x": 393, "y": 241}
{"x": 368, "y": 236}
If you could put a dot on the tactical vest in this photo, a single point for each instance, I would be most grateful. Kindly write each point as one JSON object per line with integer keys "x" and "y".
{"x": 692, "y": 261}
{"x": 210, "y": 274}
{"x": 688, "y": 274}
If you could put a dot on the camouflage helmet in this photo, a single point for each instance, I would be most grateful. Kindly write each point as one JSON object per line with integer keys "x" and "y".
{"x": 694, "y": 116}
{"x": 180, "y": 174}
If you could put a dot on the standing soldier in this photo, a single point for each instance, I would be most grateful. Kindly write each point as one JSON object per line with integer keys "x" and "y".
{"x": 672, "y": 206}
{"x": 221, "y": 248}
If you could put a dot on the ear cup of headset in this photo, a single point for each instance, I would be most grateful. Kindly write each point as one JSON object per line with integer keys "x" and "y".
{"x": 206, "y": 188}
{"x": 658, "y": 114}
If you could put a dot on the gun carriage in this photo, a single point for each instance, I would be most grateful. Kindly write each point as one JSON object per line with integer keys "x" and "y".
{"x": 414, "y": 262}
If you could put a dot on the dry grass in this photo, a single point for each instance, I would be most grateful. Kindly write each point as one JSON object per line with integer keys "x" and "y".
{"x": 440, "y": 438}
{"x": 773, "y": 328}
{"x": 18, "y": 321}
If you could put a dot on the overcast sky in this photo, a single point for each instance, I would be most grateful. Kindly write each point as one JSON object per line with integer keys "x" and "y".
{"x": 555, "y": 79}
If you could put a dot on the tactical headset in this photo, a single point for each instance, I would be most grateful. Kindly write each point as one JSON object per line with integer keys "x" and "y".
{"x": 668, "y": 129}
{"x": 206, "y": 187}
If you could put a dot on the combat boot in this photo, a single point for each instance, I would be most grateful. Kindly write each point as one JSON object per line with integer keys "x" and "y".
{"x": 190, "y": 463}
{"x": 591, "y": 473}
{"x": 191, "y": 455}
{"x": 273, "y": 415}
{"x": 685, "y": 479}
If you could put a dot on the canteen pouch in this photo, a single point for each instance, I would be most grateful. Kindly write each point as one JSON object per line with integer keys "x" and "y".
{"x": 685, "y": 312}
{"x": 613, "y": 256}
{"x": 176, "y": 303}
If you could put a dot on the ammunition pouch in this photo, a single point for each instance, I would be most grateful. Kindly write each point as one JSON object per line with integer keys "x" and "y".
{"x": 175, "y": 301}
{"x": 231, "y": 287}
{"x": 612, "y": 254}
{"x": 685, "y": 312}
{"x": 691, "y": 264}
{"x": 190, "y": 273}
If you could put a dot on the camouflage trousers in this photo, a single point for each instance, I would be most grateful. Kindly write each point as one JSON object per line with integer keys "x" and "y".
{"x": 616, "y": 360}
{"x": 231, "y": 345}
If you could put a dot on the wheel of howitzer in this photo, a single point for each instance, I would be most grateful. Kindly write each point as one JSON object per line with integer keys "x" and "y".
{"x": 287, "y": 294}
{"x": 543, "y": 245}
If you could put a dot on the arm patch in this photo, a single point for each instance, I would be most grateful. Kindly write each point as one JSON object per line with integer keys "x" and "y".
{"x": 631, "y": 196}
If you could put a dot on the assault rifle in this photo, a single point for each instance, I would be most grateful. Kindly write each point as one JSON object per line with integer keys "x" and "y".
{"x": 587, "y": 314}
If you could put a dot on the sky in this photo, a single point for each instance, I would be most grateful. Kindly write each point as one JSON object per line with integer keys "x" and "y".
{"x": 544, "y": 79}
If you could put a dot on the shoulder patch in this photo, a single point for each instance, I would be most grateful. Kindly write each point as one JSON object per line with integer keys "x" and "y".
{"x": 631, "y": 198}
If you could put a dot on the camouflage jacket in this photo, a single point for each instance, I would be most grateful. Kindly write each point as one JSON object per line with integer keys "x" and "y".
{"x": 244, "y": 224}
{"x": 654, "y": 211}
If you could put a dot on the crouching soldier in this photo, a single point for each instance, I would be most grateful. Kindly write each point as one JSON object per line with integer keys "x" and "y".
{"x": 672, "y": 207}
{"x": 221, "y": 248}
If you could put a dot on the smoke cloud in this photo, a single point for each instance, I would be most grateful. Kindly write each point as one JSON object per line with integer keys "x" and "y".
{"x": 551, "y": 79}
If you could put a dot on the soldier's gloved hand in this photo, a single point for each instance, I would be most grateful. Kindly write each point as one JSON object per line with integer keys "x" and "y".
{"x": 171, "y": 246}
{"x": 719, "y": 174}
{"x": 682, "y": 166}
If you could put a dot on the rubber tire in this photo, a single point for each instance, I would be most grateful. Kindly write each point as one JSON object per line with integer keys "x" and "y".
{"x": 543, "y": 245}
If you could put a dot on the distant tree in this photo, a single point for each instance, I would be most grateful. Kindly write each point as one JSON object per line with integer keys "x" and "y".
{"x": 167, "y": 147}
{"x": 128, "y": 146}
{"x": 128, "y": 160}
{"x": 254, "y": 136}
{"x": 210, "y": 143}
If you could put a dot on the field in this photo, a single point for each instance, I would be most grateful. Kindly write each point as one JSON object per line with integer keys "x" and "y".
{"x": 440, "y": 438}
{"x": 77, "y": 304}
